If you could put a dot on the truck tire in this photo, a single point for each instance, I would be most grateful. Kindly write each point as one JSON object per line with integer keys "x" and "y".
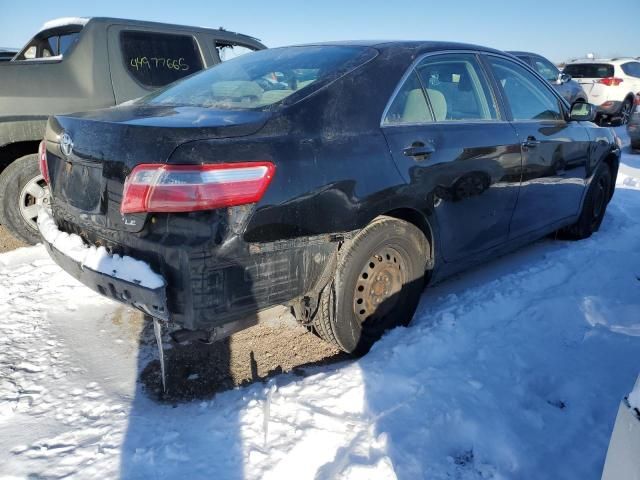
{"x": 22, "y": 192}
{"x": 594, "y": 206}
{"x": 376, "y": 287}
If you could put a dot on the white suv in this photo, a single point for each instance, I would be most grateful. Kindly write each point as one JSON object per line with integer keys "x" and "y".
{"x": 612, "y": 85}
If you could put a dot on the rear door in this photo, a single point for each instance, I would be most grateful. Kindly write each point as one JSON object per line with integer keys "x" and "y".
{"x": 142, "y": 60}
{"x": 555, "y": 152}
{"x": 456, "y": 151}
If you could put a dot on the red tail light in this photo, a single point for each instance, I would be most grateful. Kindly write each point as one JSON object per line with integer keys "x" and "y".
{"x": 611, "y": 81}
{"x": 42, "y": 160}
{"x": 637, "y": 102}
{"x": 188, "y": 188}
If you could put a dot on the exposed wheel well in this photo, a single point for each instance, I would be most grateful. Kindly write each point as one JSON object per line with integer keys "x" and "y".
{"x": 416, "y": 218}
{"x": 13, "y": 151}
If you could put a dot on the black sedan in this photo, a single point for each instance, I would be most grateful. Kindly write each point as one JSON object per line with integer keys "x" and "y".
{"x": 333, "y": 180}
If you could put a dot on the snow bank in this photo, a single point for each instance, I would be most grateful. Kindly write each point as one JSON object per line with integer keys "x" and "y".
{"x": 63, "y": 22}
{"x": 513, "y": 370}
{"x": 97, "y": 258}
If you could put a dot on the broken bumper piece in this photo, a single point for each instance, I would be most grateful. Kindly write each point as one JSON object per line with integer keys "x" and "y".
{"x": 121, "y": 278}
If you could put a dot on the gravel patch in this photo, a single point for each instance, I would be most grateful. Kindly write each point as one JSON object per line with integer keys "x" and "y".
{"x": 8, "y": 242}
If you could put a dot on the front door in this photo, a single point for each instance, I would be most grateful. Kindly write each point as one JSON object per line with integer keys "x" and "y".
{"x": 452, "y": 146}
{"x": 555, "y": 152}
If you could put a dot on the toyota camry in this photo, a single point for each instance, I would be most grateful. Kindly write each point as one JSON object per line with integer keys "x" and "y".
{"x": 333, "y": 181}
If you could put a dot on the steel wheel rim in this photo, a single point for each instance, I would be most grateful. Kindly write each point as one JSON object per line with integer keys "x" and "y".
{"x": 378, "y": 285}
{"x": 625, "y": 113}
{"x": 34, "y": 195}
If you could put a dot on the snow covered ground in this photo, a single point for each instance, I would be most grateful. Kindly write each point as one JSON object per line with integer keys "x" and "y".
{"x": 512, "y": 370}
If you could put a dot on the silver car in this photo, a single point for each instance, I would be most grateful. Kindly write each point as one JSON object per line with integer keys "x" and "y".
{"x": 570, "y": 90}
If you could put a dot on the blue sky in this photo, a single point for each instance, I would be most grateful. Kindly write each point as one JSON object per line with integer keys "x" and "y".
{"x": 558, "y": 29}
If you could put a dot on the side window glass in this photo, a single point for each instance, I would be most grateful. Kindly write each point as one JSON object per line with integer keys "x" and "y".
{"x": 528, "y": 97}
{"x": 30, "y": 52}
{"x": 632, "y": 69}
{"x": 409, "y": 105}
{"x": 456, "y": 88}
{"x": 65, "y": 41}
{"x": 157, "y": 59}
{"x": 50, "y": 46}
{"x": 546, "y": 69}
{"x": 228, "y": 50}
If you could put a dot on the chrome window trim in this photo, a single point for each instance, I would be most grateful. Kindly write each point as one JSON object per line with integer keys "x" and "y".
{"x": 564, "y": 105}
{"x": 447, "y": 122}
{"x": 412, "y": 68}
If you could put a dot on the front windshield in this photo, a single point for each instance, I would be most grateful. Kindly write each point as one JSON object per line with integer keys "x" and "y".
{"x": 263, "y": 78}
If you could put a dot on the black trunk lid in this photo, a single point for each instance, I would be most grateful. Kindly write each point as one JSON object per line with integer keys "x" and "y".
{"x": 87, "y": 179}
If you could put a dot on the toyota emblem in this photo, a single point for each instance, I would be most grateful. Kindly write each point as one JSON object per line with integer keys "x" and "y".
{"x": 66, "y": 144}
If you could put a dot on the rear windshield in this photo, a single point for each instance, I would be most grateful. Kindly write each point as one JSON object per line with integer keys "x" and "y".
{"x": 589, "y": 70}
{"x": 260, "y": 79}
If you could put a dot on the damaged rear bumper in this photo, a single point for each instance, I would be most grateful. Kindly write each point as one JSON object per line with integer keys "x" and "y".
{"x": 152, "y": 301}
{"x": 211, "y": 278}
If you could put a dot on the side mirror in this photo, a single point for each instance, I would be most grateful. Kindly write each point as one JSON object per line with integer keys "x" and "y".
{"x": 563, "y": 78}
{"x": 582, "y": 112}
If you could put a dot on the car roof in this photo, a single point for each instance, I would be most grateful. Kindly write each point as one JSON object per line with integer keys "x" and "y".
{"x": 617, "y": 60}
{"x": 519, "y": 53}
{"x": 422, "y": 46}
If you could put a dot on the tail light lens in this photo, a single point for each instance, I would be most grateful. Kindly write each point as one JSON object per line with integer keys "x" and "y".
{"x": 42, "y": 160}
{"x": 611, "y": 81}
{"x": 189, "y": 188}
{"x": 637, "y": 102}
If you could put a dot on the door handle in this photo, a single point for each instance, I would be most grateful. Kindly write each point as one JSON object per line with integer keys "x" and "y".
{"x": 531, "y": 142}
{"x": 419, "y": 150}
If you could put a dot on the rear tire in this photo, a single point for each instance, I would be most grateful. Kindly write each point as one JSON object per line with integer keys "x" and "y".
{"x": 625, "y": 112}
{"x": 594, "y": 206}
{"x": 22, "y": 192}
{"x": 377, "y": 285}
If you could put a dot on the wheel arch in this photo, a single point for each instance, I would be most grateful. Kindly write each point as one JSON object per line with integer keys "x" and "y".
{"x": 13, "y": 151}
{"x": 415, "y": 217}
{"x": 613, "y": 161}
{"x": 20, "y": 136}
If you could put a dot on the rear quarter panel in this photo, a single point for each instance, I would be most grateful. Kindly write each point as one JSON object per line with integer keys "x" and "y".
{"x": 334, "y": 171}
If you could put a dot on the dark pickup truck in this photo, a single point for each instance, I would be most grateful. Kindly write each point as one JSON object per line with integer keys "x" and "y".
{"x": 7, "y": 54}
{"x": 80, "y": 64}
